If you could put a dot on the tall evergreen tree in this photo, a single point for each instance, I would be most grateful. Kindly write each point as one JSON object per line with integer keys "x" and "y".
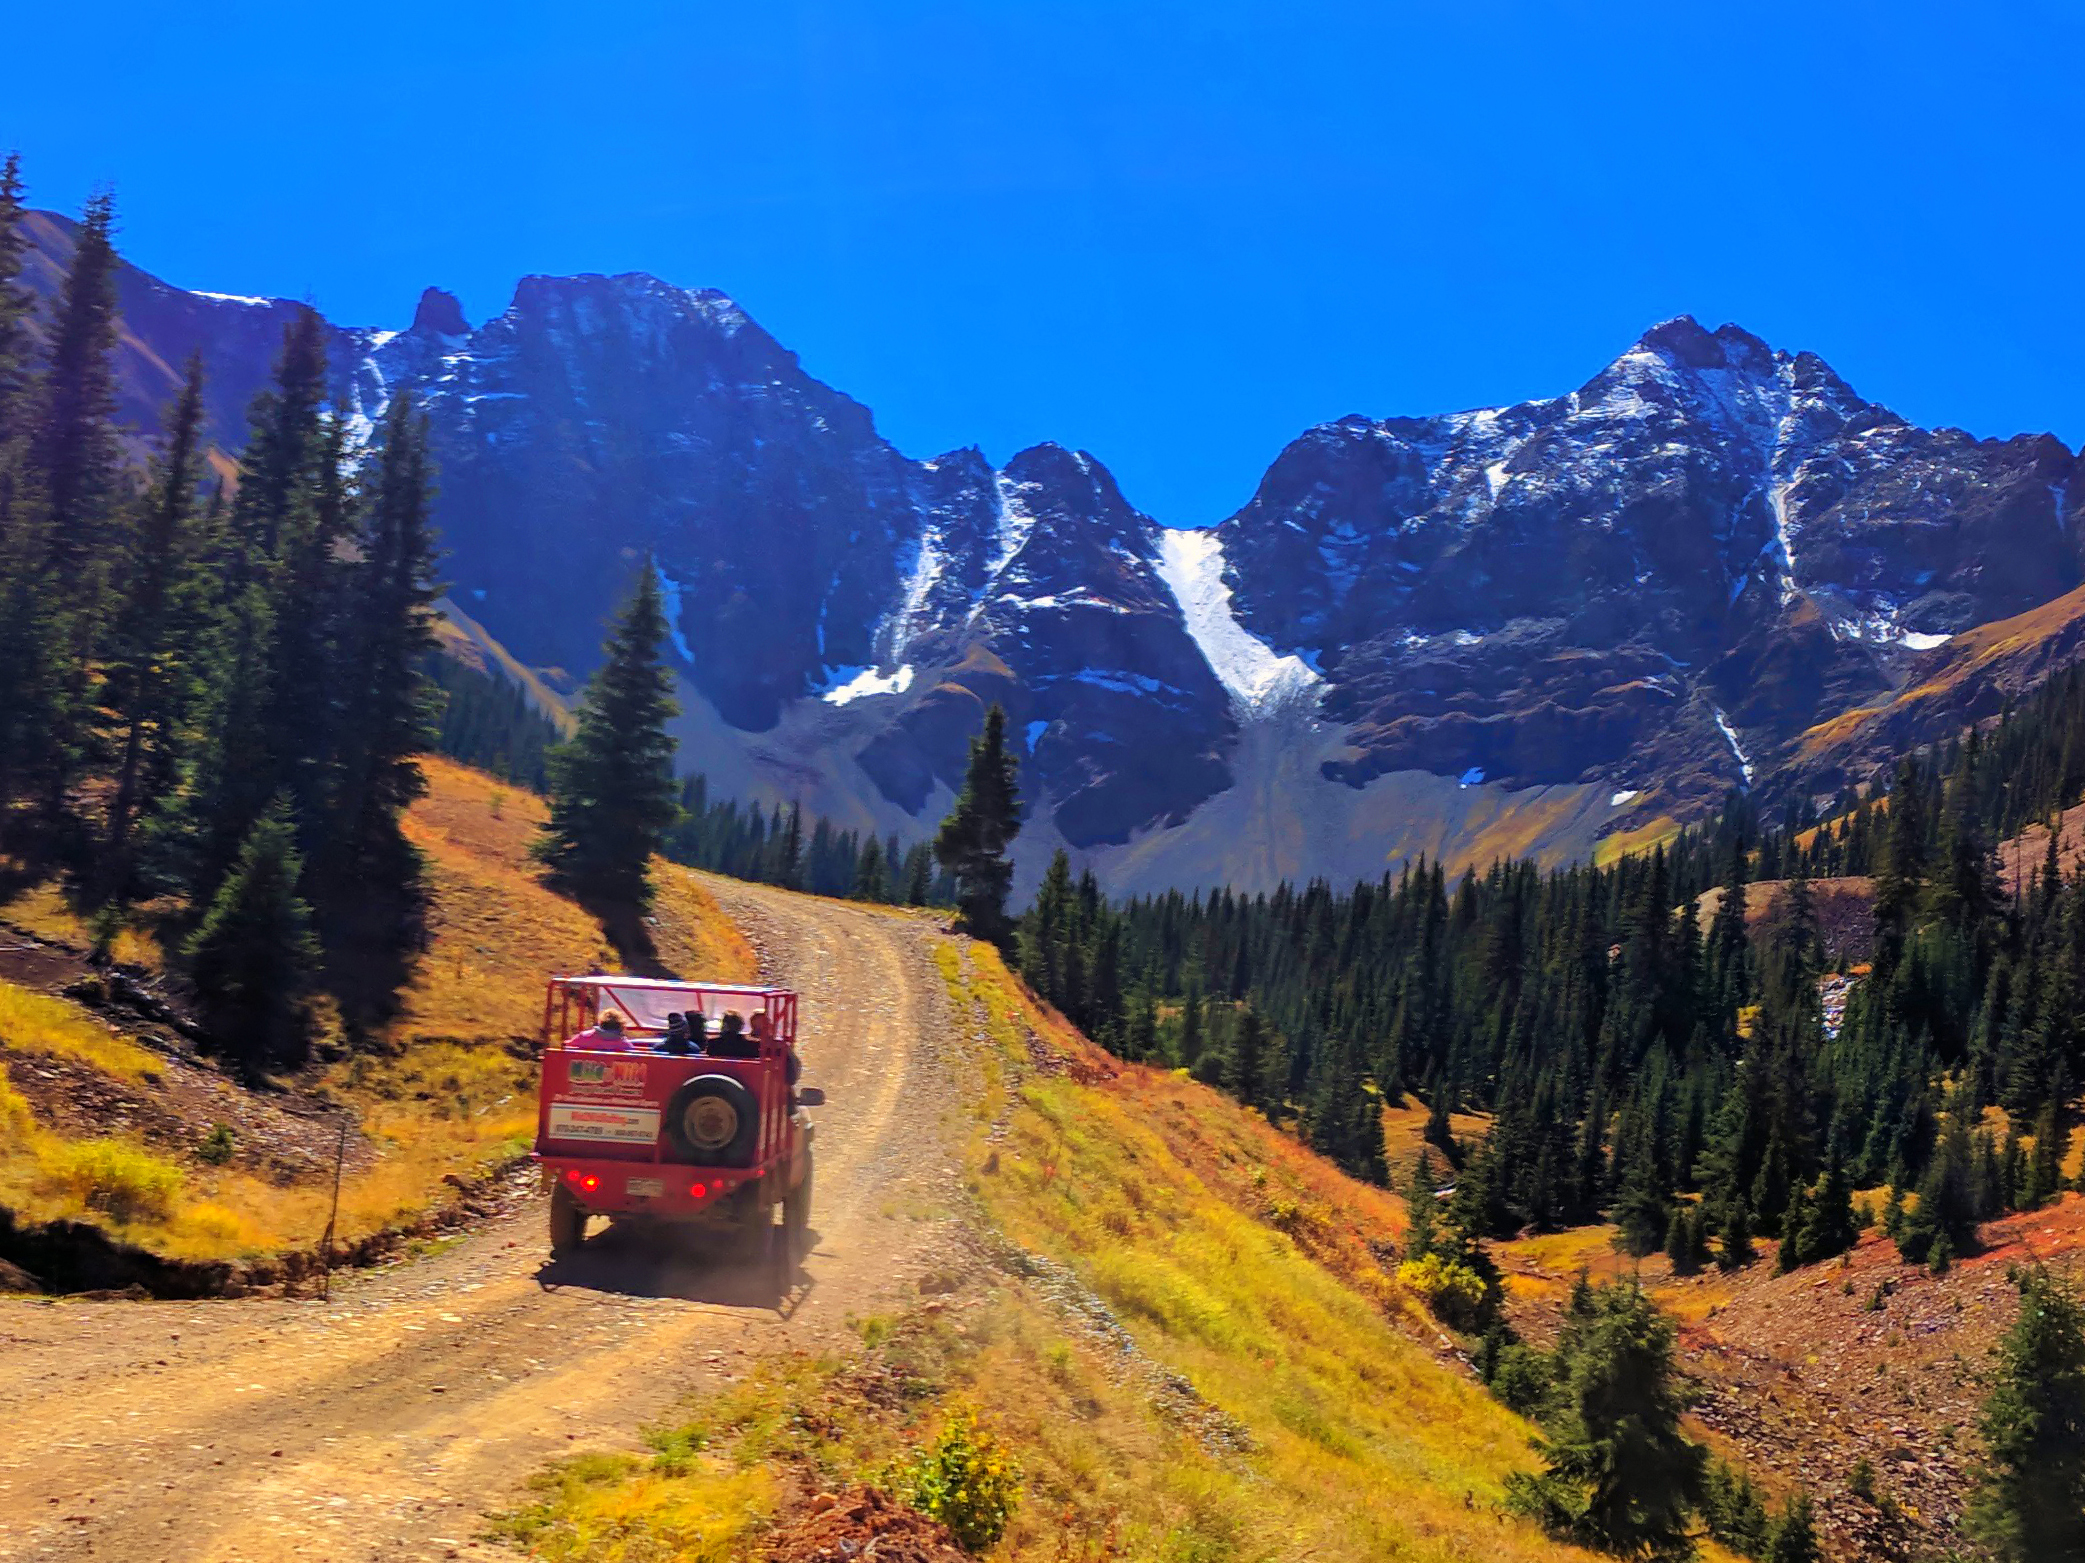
{"x": 72, "y": 457}
{"x": 1245, "y": 1069}
{"x": 15, "y": 299}
{"x": 253, "y": 957}
{"x": 870, "y": 881}
{"x": 368, "y": 875}
{"x": 2031, "y": 1506}
{"x": 194, "y": 832}
{"x": 158, "y": 625}
{"x": 973, "y": 840}
{"x": 1793, "y": 1537}
{"x": 1618, "y": 1476}
{"x": 73, "y": 436}
{"x": 612, "y": 794}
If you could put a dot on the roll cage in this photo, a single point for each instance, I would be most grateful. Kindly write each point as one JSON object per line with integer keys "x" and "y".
{"x": 573, "y": 1004}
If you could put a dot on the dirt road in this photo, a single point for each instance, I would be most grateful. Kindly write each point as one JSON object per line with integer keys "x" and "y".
{"x": 386, "y": 1424}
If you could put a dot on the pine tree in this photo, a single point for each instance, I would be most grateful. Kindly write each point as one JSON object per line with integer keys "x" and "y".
{"x": 1731, "y": 1510}
{"x": 869, "y": 881}
{"x": 1245, "y": 1069}
{"x": 1793, "y": 1537}
{"x": 919, "y": 870}
{"x": 1679, "y": 1246}
{"x": 612, "y": 795}
{"x": 72, "y": 458}
{"x": 369, "y": 875}
{"x": 1829, "y": 1227}
{"x": 158, "y": 625}
{"x": 1619, "y": 1474}
{"x": 1736, "y": 1248}
{"x": 2044, "y": 1174}
{"x": 1942, "y": 1227}
{"x": 1188, "y": 1047}
{"x": 15, "y": 300}
{"x": 1423, "y": 1205}
{"x": 194, "y": 833}
{"x": 2031, "y": 1503}
{"x": 1342, "y": 1118}
{"x": 253, "y": 957}
{"x": 72, "y": 435}
{"x": 1045, "y": 931}
{"x": 973, "y": 840}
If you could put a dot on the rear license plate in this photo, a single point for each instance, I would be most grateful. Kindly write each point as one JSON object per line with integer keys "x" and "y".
{"x": 645, "y": 1188}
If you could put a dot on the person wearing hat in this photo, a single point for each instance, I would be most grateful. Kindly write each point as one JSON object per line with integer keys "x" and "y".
{"x": 604, "y": 1036}
{"x": 676, "y": 1042}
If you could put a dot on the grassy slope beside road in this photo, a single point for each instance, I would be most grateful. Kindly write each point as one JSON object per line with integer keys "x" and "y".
{"x": 450, "y": 1095}
{"x": 1177, "y": 1321}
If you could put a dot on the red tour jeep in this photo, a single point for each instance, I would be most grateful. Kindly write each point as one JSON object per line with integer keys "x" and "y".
{"x": 705, "y": 1141}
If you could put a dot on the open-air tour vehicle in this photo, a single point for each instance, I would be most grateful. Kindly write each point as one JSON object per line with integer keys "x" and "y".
{"x": 710, "y": 1143}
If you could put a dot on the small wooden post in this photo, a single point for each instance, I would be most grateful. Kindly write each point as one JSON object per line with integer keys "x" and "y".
{"x": 339, "y": 1164}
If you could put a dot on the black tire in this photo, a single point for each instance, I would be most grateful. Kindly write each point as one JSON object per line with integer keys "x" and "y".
{"x": 796, "y": 1214}
{"x": 567, "y": 1222}
{"x": 713, "y": 1121}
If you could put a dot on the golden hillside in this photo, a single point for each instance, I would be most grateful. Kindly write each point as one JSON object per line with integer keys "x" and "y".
{"x": 168, "y": 1153}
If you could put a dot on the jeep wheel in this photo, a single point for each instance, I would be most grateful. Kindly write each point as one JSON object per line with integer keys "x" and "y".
{"x": 567, "y": 1222}
{"x": 713, "y": 1121}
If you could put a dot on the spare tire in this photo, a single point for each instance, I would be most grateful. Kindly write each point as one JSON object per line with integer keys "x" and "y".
{"x": 713, "y": 1121}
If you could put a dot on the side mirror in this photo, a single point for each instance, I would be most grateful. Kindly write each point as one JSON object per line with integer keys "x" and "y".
{"x": 810, "y": 1096}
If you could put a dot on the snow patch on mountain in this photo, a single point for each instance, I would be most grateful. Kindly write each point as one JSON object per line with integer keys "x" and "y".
{"x": 1737, "y": 749}
{"x": 1190, "y": 562}
{"x": 929, "y": 564}
{"x": 861, "y": 682}
{"x": 670, "y": 591}
{"x": 1015, "y": 524}
{"x": 232, "y": 298}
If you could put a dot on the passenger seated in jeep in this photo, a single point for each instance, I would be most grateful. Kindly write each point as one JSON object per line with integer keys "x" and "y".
{"x": 604, "y": 1036}
{"x": 675, "y": 1041}
{"x": 731, "y": 1040}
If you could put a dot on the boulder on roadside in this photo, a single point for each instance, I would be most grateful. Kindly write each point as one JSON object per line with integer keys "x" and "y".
{"x": 13, "y": 1278}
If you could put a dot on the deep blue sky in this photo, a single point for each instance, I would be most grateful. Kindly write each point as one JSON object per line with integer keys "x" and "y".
{"x": 1173, "y": 234}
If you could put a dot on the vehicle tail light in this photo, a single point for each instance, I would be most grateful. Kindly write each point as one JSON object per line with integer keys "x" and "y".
{"x": 699, "y": 1189}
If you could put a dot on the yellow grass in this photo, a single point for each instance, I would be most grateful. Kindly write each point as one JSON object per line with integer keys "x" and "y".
{"x": 37, "y": 1023}
{"x": 450, "y": 1094}
{"x": 1641, "y": 838}
{"x": 1404, "y": 1137}
{"x": 1250, "y": 1267}
{"x": 43, "y": 912}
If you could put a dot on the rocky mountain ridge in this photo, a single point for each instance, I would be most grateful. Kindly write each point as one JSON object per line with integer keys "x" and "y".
{"x": 1517, "y": 628}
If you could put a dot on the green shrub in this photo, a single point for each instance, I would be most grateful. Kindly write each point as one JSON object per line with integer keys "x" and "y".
{"x": 217, "y": 1145}
{"x": 1522, "y": 1379}
{"x": 967, "y": 1480}
{"x": 1452, "y": 1291}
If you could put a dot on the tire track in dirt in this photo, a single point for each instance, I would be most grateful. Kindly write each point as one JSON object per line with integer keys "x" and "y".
{"x": 385, "y": 1424}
